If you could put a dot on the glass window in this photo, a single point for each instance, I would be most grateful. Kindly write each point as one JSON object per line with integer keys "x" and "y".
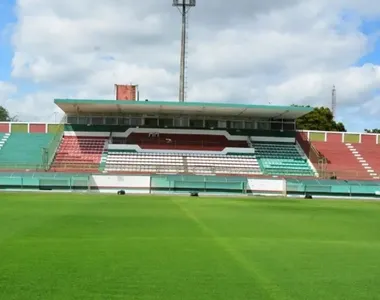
{"x": 83, "y": 120}
{"x": 165, "y": 122}
{"x": 196, "y": 123}
{"x": 123, "y": 121}
{"x": 184, "y": 122}
{"x": 263, "y": 125}
{"x": 249, "y": 125}
{"x": 97, "y": 120}
{"x": 211, "y": 123}
{"x": 151, "y": 122}
{"x": 237, "y": 124}
{"x": 276, "y": 126}
{"x": 72, "y": 119}
{"x": 222, "y": 124}
{"x": 135, "y": 121}
{"x": 289, "y": 126}
{"x": 177, "y": 122}
{"x": 111, "y": 120}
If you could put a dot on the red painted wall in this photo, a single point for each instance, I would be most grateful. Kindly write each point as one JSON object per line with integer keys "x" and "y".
{"x": 126, "y": 92}
{"x": 334, "y": 137}
{"x": 37, "y": 128}
{"x": 4, "y": 128}
{"x": 368, "y": 139}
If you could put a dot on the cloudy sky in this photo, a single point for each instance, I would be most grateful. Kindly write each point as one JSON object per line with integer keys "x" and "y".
{"x": 249, "y": 51}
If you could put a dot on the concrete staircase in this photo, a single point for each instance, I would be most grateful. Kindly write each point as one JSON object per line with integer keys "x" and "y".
{"x": 362, "y": 161}
{"x": 4, "y": 139}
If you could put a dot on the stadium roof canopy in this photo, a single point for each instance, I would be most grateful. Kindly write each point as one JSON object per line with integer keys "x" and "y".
{"x": 71, "y": 106}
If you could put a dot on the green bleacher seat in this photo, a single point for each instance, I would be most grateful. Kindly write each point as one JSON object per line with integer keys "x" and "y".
{"x": 24, "y": 150}
{"x": 282, "y": 159}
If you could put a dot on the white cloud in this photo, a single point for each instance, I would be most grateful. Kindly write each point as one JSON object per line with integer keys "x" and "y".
{"x": 6, "y": 91}
{"x": 248, "y": 51}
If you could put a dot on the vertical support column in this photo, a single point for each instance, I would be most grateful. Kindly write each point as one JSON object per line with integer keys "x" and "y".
{"x": 284, "y": 188}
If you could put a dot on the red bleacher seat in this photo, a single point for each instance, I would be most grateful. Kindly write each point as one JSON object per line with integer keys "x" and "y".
{"x": 82, "y": 153}
{"x": 181, "y": 141}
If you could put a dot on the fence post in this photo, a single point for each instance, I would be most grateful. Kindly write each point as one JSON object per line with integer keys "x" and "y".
{"x": 150, "y": 184}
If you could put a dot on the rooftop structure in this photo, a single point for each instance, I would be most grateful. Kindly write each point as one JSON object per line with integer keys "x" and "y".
{"x": 82, "y": 107}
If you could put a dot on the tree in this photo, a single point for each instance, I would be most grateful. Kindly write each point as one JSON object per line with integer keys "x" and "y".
{"x": 5, "y": 116}
{"x": 376, "y": 130}
{"x": 321, "y": 118}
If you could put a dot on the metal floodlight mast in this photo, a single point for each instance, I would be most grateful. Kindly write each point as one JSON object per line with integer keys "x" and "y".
{"x": 183, "y": 6}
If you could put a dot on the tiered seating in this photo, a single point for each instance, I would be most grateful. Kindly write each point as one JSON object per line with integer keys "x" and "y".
{"x": 83, "y": 153}
{"x": 24, "y": 150}
{"x": 180, "y": 141}
{"x": 223, "y": 164}
{"x": 282, "y": 159}
{"x": 121, "y": 161}
{"x": 340, "y": 161}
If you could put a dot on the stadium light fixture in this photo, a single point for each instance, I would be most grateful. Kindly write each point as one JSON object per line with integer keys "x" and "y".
{"x": 183, "y": 7}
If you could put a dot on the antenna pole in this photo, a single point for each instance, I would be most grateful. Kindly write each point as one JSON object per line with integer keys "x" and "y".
{"x": 333, "y": 101}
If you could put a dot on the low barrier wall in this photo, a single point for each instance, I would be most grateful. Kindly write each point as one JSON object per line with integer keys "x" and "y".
{"x": 201, "y": 184}
{"x": 140, "y": 184}
{"x": 186, "y": 184}
{"x": 44, "y": 181}
{"x": 338, "y": 188}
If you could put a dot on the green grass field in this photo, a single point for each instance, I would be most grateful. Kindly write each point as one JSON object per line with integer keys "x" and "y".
{"x": 68, "y": 246}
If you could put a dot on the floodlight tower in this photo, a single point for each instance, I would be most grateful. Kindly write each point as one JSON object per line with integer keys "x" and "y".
{"x": 183, "y": 7}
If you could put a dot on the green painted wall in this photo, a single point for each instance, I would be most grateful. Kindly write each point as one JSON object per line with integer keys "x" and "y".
{"x": 317, "y": 136}
{"x": 23, "y": 128}
{"x": 351, "y": 138}
{"x": 53, "y": 128}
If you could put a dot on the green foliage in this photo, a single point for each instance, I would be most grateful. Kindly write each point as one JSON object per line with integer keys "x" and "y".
{"x": 321, "y": 118}
{"x": 376, "y": 130}
{"x": 5, "y": 116}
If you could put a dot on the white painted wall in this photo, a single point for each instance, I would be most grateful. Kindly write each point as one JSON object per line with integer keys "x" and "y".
{"x": 131, "y": 184}
{"x": 181, "y": 131}
{"x": 138, "y": 149}
{"x": 159, "y": 130}
{"x": 267, "y": 186}
{"x": 87, "y": 133}
{"x": 272, "y": 139}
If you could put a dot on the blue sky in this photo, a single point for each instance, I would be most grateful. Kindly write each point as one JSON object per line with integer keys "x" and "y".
{"x": 354, "y": 119}
{"x": 7, "y": 17}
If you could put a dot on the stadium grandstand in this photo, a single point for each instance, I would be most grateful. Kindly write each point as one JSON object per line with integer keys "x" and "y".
{"x": 156, "y": 137}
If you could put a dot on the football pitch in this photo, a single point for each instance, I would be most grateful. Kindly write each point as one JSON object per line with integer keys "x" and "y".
{"x": 72, "y": 246}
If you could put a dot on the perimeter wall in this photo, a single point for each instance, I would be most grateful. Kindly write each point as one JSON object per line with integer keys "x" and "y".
{"x": 184, "y": 184}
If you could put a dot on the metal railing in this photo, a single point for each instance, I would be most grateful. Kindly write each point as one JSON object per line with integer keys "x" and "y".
{"x": 48, "y": 153}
